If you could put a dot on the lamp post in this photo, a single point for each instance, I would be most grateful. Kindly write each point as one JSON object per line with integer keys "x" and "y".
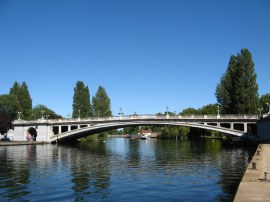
{"x": 79, "y": 114}
{"x": 121, "y": 113}
{"x": 218, "y": 110}
{"x": 19, "y": 115}
{"x": 260, "y": 112}
{"x": 167, "y": 115}
{"x": 42, "y": 111}
{"x": 47, "y": 116}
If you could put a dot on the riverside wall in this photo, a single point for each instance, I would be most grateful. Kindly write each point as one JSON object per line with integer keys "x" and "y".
{"x": 255, "y": 184}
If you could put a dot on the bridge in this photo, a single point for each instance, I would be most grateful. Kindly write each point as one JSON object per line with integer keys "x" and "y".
{"x": 51, "y": 130}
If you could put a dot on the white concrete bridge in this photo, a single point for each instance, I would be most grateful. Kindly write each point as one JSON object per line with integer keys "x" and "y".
{"x": 67, "y": 129}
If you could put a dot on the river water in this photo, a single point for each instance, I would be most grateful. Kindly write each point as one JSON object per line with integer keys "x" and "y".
{"x": 121, "y": 169}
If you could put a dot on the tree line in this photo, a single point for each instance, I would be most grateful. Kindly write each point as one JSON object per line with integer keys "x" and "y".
{"x": 236, "y": 93}
{"x": 18, "y": 103}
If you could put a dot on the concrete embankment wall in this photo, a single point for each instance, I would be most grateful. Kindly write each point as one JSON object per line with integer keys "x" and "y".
{"x": 255, "y": 185}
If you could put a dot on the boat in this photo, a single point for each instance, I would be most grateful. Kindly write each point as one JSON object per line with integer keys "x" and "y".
{"x": 144, "y": 137}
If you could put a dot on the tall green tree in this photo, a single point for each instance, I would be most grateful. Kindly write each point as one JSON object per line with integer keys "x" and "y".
{"x": 81, "y": 101}
{"x": 24, "y": 98}
{"x": 101, "y": 103}
{"x": 237, "y": 92}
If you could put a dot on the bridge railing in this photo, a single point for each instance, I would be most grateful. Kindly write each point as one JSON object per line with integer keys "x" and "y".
{"x": 141, "y": 116}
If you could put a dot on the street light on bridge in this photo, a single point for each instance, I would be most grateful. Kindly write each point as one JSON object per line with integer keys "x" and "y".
{"x": 42, "y": 111}
{"x": 121, "y": 113}
{"x": 260, "y": 111}
{"x": 19, "y": 115}
{"x": 79, "y": 114}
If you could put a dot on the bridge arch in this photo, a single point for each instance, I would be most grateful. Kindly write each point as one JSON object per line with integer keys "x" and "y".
{"x": 93, "y": 129}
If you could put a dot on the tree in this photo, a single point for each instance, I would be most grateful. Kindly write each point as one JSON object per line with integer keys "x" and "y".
{"x": 25, "y": 101}
{"x": 174, "y": 132}
{"x": 81, "y": 101}
{"x": 5, "y": 122}
{"x": 237, "y": 92}
{"x": 24, "y": 98}
{"x": 10, "y": 103}
{"x": 189, "y": 111}
{"x": 209, "y": 109}
{"x": 101, "y": 103}
{"x": 264, "y": 103}
{"x": 48, "y": 113}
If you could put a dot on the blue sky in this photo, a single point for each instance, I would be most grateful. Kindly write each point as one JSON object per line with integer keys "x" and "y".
{"x": 147, "y": 54}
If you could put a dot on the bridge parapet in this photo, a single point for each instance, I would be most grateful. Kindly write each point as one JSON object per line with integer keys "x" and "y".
{"x": 140, "y": 117}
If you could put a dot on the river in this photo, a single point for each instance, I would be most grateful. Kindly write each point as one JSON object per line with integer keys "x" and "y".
{"x": 119, "y": 169}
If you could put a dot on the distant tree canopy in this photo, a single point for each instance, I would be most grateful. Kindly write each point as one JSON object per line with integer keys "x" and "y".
{"x": 81, "y": 101}
{"x": 47, "y": 113}
{"x": 24, "y": 99}
{"x": 207, "y": 109}
{"x": 101, "y": 103}
{"x": 237, "y": 92}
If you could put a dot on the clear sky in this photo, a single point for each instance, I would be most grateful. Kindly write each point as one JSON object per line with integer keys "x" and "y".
{"x": 147, "y": 54}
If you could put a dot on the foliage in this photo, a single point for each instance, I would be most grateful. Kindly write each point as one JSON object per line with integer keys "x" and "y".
{"x": 10, "y": 102}
{"x": 131, "y": 130}
{"x": 209, "y": 109}
{"x": 81, "y": 101}
{"x": 5, "y": 121}
{"x": 189, "y": 111}
{"x": 174, "y": 132}
{"x": 89, "y": 138}
{"x": 37, "y": 113}
{"x": 265, "y": 102}
{"x": 101, "y": 103}
{"x": 24, "y": 98}
{"x": 205, "y": 110}
{"x": 237, "y": 92}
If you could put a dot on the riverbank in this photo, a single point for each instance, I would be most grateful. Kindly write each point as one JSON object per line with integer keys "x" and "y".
{"x": 255, "y": 184}
{"x": 14, "y": 143}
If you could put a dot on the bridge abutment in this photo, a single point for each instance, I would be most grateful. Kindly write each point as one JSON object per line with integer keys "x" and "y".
{"x": 44, "y": 132}
{"x": 263, "y": 129}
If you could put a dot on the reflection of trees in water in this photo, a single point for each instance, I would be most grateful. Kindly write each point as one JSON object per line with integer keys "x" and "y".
{"x": 133, "y": 155}
{"x": 232, "y": 161}
{"x": 185, "y": 155}
{"x": 15, "y": 172}
{"x": 89, "y": 171}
